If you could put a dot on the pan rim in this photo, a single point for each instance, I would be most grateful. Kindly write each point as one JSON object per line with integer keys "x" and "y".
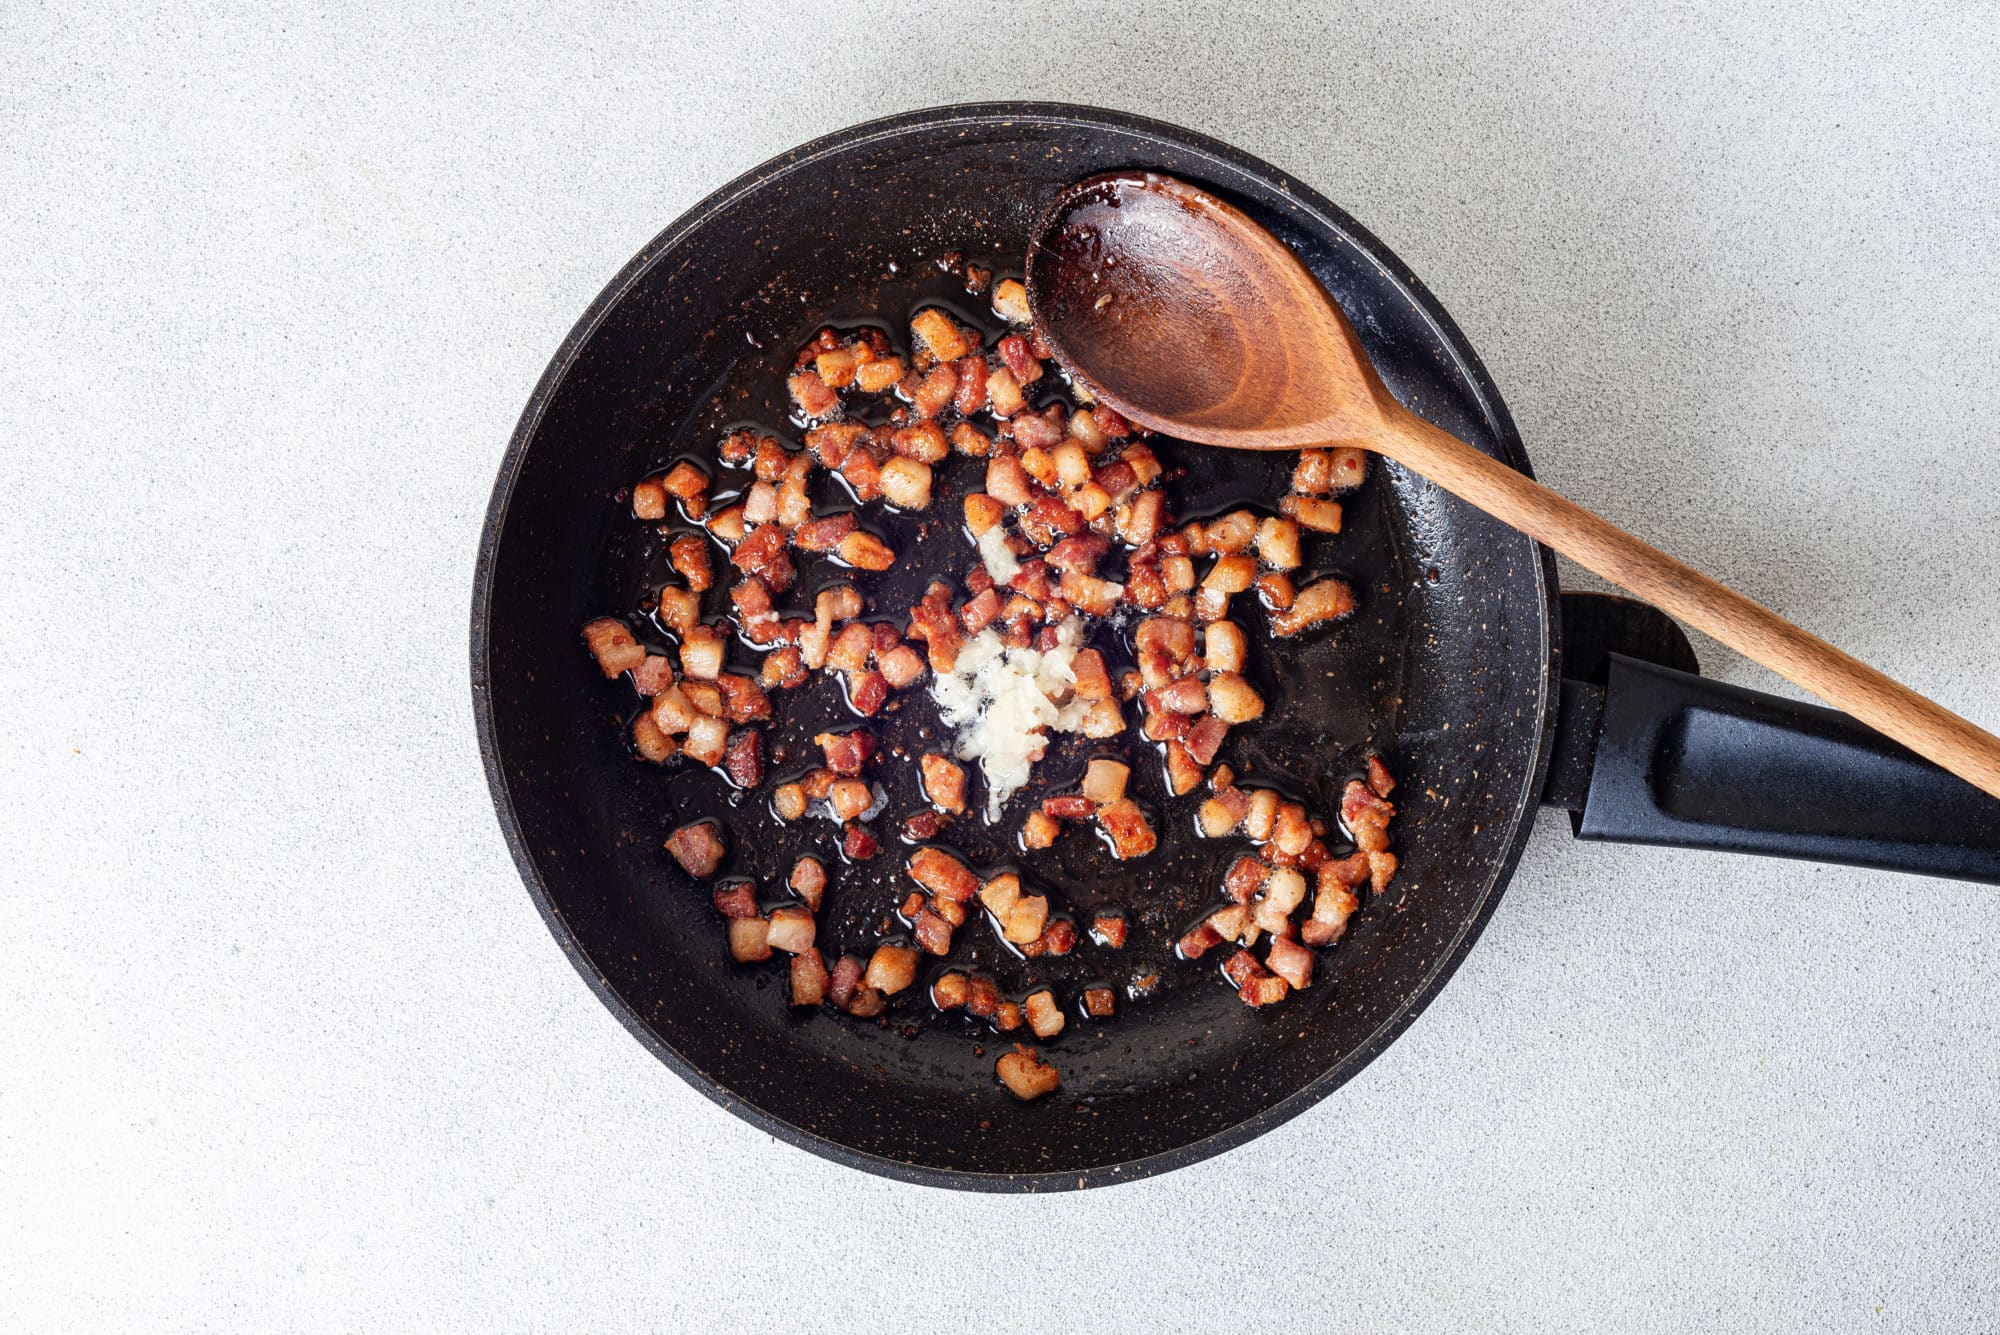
{"x": 999, "y": 113}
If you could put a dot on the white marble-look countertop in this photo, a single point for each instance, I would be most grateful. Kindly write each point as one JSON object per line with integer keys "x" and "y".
{"x": 283, "y": 1042}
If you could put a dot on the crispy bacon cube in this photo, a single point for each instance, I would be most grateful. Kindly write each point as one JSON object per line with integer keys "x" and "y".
{"x": 944, "y": 783}
{"x": 1204, "y": 739}
{"x": 969, "y": 393}
{"x": 938, "y": 334}
{"x": 1263, "y": 988}
{"x": 1332, "y": 907}
{"x": 1104, "y": 780}
{"x": 743, "y": 762}
{"x": 808, "y": 978}
{"x": 679, "y": 609}
{"x": 865, "y": 551}
{"x": 1183, "y": 771}
{"x": 760, "y": 548}
{"x": 1078, "y": 555}
{"x": 851, "y": 648}
{"x": 1290, "y": 961}
{"x": 726, "y": 526}
{"x": 902, "y": 667}
{"x": 1142, "y": 519}
{"x": 649, "y": 500}
{"x": 698, "y": 848}
{"x": 982, "y": 998}
{"x": 850, "y": 798}
{"x": 1244, "y": 879}
{"x": 832, "y": 443}
{"x": 1093, "y": 682}
{"x": 862, "y": 472}
{"x": 1044, "y": 1016}
{"x": 651, "y": 741}
{"x": 1313, "y": 474}
{"x": 736, "y": 899}
{"x": 760, "y": 506}
{"x": 1367, "y": 817}
{"x": 1008, "y": 482}
{"x": 932, "y": 932}
{"x": 702, "y": 653}
{"x": 785, "y": 668}
{"x": 867, "y": 692}
{"x": 749, "y": 940}
{"x": 1322, "y": 600}
{"x": 858, "y": 843}
{"x": 653, "y": 675}
{"x": 980, "y": 612}
{"x": 812, "y": 394}
{"x": 673, "y": 712}
{"x": 1068, "y": 807}
{"x": 1198, "y": 941}
{"x": 845, "y": 980}
{"x": 610, "y": 642}
{"x": 1039, "y": 830}
{"x": 906, "y": 483}
{"x": 1222, "y": 812}
{"x": 1380, "y": 782}
{"x": 824, "y": 535}
{"x": 1313, "y": 512}
{"x": 743, "y": 700}
{"x": 1350, "y": 467}
{"x": 791, "y": 929}
{"x": 876, "y": 376}
{"x": 891, "y": 969}
{"x": 1026, "y": 1076}
{"x": 707, "y": 740}
{"x": 1027, "y": 919}
{"x": 1241, "y": 967}
{"x": 1018, "y": 356}
{"x": 1292, "y": 831}
{"x": 1003, "y": 392}
{"x": 1131, "y": 836}
{"x": 808, "y": 881}
{"x": 788, "y": 801}
{"x": 689, "y": 556}
{"x": 942, "y": 874}
{"x": 1090, "y": 595}
{"x": 950, "y": 991}
{"x": 935, "y": 391}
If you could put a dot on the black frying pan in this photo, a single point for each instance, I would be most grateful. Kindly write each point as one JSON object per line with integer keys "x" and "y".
{"x": 1451, "y": 669}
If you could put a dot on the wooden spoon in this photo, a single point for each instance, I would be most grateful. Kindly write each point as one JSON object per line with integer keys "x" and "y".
{"x": 1186, "y": 316}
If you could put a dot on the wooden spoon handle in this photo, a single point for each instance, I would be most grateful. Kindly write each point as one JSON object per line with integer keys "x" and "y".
{"x": 1754, "y": 631}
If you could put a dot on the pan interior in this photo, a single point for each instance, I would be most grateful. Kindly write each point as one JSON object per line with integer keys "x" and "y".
{"x": 1445, "y": 669}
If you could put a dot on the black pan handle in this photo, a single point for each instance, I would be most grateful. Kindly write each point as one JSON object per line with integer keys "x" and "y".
{"x": 1656, "y": 756}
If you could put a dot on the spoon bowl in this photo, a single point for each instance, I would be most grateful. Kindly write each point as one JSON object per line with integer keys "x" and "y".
{"x": 1161, "y": 297}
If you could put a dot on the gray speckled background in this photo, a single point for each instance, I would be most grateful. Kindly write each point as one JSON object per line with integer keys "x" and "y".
{"x": 283, "y": 1043}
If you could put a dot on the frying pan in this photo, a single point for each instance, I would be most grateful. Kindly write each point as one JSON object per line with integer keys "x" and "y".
{"x": 1453, "y": 668}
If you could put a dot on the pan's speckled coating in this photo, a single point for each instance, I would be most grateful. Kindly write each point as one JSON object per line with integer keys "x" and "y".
{"x": 753, "y": 262}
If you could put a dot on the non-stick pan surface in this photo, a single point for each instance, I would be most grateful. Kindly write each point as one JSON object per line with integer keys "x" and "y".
{"x": 1449, "y": 670}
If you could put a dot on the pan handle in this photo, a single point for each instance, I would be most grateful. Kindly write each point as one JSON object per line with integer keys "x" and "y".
{"x": 1657, "y": 756}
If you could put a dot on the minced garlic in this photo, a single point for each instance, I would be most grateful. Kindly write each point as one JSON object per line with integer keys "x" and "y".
{"x": 1003, "y": 701}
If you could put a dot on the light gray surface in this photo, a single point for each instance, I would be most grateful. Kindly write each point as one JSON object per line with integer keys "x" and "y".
{"x": 283, "y": 1043}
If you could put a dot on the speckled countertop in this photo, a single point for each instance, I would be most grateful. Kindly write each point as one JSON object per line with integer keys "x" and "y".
{"x": 283, "y": 1042}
